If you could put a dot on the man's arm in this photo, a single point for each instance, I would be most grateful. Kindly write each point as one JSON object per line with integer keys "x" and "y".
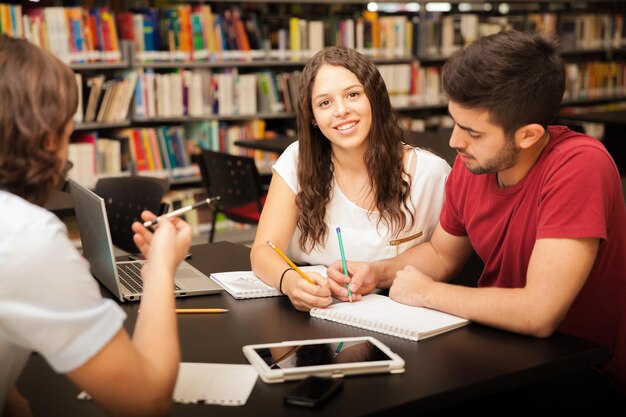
{"x": 440, "y": 258}
{"x": 557, "y": 271}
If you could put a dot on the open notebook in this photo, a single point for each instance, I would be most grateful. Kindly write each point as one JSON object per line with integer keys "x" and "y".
{"x": 381, "y": 314}
{"x": 244, "y": 284}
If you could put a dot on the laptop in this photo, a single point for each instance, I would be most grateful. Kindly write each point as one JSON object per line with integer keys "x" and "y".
{"x": 123, "y": 278}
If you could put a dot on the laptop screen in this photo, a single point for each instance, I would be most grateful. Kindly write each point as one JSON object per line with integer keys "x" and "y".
{"x": 95, "y": 236}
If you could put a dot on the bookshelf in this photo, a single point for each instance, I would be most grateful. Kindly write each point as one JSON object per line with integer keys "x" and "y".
{"x": 209, "y": 74}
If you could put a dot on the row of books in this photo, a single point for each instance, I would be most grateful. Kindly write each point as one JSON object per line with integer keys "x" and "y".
{"x": 205, "y": 92}
{"x": 195, "y": 32}
{"x": 189, "y": 33}
{"x": 200, "y": 34}
{"x": 440, "y": 34}
{"x": 105, "y": 100}
{"x": 74, "y": 34}
{"x": 581, "y": 31}
{"x": 595, "y": 80}
{"x": 202, "y": 92}
{"x": 220, "y": 136}
{"x": 162, "y": 150}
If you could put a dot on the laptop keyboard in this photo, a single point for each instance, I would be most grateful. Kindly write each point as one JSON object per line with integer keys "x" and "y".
{"x": 130, "y": 276}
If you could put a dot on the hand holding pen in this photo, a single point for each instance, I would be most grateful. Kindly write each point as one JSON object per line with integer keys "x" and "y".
{"x": 169, "y": 244}
{"x": 289, "y": 261}
{"x": 343, "y": 262}
{"x": 181, "y": 211}
{"x": 304, "y": 296}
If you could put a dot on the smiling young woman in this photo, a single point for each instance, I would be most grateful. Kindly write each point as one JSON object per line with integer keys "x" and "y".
{"x": 349, "y": 169}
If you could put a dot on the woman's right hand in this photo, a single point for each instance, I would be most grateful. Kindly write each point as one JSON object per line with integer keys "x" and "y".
{"x": 361, "y": 279}
{"x": 304, "y": 295}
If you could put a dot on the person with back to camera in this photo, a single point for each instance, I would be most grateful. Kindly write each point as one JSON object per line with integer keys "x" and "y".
{"x": 49, "y": 302}
{"x": 541, "y": 205}
{"x": 349, "y": 169}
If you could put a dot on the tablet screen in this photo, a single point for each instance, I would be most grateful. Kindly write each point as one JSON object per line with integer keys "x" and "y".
{"x": 303, "y": 355}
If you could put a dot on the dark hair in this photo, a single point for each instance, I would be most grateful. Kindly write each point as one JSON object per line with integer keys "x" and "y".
{"x": 38, "y": 98}
{"x": 518, "y": 77}
{"x": 309, "y": 355}
{"x": 383, "y": 156}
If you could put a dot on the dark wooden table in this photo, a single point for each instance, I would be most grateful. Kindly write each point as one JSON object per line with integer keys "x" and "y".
{"x": 463, "y": 364}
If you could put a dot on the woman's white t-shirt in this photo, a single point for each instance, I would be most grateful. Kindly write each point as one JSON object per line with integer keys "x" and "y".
{"x": 363, "y": 239}
{"x": 49, "y": 301}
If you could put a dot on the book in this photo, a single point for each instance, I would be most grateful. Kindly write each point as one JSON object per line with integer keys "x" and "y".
{"x": 383, "y": 315}
{"x": 245, "y": 284}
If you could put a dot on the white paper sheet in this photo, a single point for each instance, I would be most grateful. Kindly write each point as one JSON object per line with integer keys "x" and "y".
{"x": 214, "y": 383}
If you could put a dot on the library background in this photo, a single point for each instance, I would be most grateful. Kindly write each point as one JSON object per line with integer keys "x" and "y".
{"x": 160, "y": 81}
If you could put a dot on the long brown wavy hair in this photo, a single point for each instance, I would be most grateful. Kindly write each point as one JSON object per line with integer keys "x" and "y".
{"x": 383, "y": 157}
{"x": 38, "y": 98}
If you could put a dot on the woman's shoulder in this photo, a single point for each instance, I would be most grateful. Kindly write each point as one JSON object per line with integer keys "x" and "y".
{"x": 289, "y": 155}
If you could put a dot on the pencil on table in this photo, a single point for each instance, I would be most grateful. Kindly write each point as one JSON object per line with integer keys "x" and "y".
{"x": 200, "y": 310}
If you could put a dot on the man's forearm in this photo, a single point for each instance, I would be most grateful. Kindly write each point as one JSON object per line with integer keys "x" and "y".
{"x": 424, "y": 257}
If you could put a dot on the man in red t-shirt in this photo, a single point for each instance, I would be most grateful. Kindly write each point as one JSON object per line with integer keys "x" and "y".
{"x": 541, "y": 205}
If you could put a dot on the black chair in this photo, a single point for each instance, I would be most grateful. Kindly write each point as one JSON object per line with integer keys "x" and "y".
{"x": 125, "y": 198}
{"x": 236, "y": 180}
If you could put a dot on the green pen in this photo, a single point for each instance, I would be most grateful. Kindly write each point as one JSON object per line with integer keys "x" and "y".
{"x": 339, "y": 347}
{"x": 343, "y": 262}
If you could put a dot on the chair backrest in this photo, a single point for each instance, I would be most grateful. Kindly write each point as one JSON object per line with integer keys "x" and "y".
{"x": 234, "y": 178}
{"x": 125, "y": 198}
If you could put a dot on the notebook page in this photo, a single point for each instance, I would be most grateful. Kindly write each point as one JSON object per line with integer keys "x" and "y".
{"x": 382, "y": 314}
{"x": 245, "y": 284}
{"x": 214, "y": 383}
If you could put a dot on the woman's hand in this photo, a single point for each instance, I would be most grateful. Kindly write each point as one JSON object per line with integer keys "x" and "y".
{"x": 304, "y": 295}
{"x": 362, "y": 280}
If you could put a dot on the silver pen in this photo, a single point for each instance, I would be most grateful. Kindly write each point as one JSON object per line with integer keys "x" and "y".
{"x": 181, "y": 210}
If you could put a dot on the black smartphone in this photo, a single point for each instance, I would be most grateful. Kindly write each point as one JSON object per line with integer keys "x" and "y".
{"x": 313, "y": 391}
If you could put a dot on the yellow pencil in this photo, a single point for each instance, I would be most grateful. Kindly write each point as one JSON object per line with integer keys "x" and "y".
{"x": 201, "y": 310}
{"x": 291, "y": 264}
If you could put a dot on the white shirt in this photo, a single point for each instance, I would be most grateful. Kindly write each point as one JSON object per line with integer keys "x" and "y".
{"x": 362, "y": 239}
{"x": 49, "y": 302}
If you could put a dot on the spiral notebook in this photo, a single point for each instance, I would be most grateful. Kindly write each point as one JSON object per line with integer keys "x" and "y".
{"x": 245, "y": 284}
{"x": 214, "y": 383}
{"x": 383, "y": 315}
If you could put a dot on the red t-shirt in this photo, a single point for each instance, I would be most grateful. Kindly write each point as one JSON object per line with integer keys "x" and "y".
{"x": 573, "y": 191}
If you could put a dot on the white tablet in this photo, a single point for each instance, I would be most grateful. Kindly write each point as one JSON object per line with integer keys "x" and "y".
{"x": 297, "y": 359}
